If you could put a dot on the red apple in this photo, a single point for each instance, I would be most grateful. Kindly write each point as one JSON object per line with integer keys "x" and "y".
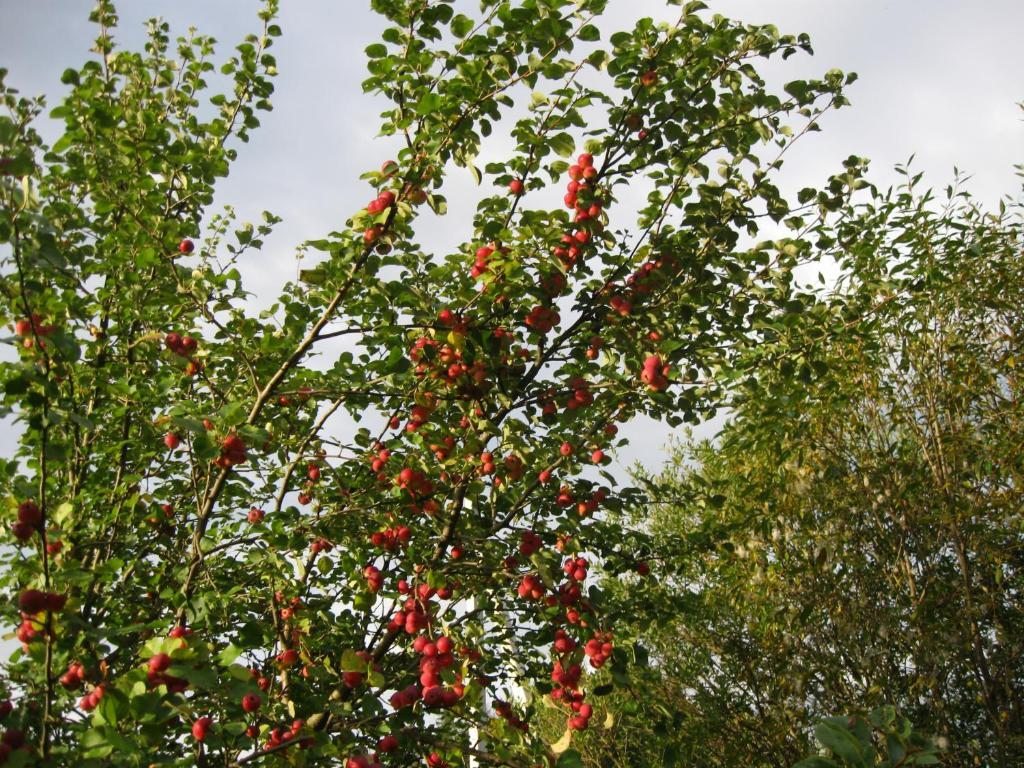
{"x": 372, "y": 234}
{"x": 200, "y": 727}
{"x": 251, "y": 702}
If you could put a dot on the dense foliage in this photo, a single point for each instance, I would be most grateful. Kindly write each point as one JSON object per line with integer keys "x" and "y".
{"x": 853, "y": 539}
{"x": 208, "y": 565}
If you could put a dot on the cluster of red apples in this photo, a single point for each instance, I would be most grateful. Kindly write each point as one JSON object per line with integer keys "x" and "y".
{"x": 184, "y": 346}
{"x": 439, "y": 683}
{"x": 31, "y": 328}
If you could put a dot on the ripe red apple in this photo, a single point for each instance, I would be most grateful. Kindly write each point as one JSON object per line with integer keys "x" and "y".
{"x": 72, "y": 679}
{"x": 621, "y": 305}
{"x": 186, "y": 246}
{"x": 200, "y": 727}
{"x": 251, "y": 702}
{"x": 516, "y": 187}
{"x": 649, "y": 78}
{"x": 655, "y": 373}
{"x": 172, "y": 441}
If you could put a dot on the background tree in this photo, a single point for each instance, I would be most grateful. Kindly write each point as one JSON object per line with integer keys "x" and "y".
{"x": 206, "y": 564}
{"x": 853, "y": 539}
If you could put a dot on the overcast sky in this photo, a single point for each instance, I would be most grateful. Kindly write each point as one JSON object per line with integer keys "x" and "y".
{"x": 939, "y": 78}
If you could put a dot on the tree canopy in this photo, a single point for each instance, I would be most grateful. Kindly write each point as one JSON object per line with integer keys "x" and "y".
{"x": 852, "y": 539}
{"x": 206, "y": 563}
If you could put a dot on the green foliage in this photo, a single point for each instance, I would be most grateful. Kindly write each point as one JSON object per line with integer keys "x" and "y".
{"x": 201, "y": 523}
{"x": 851, "y": 541}
{"x": 883, "y": 738}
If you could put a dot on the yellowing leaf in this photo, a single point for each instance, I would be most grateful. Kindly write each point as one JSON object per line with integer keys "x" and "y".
{"x": 563, "y": 743}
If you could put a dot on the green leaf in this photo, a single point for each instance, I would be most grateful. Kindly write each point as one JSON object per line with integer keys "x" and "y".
{"x": 17, "y": 386}
{"x": 817, "y": 762}
{"x": 232, "y": 414}
{"x": 350, "y": 662}
{"x": 461, "y": 26}
{"x": 428, "y": 103}
{"x": 562, "y": 143}
{"x": 228, "y": 654}
{"x": 313, "y": 276}
{"x": 376, "y": 51}
{"x": 842, "y": 743}
{"x": 199, "y": 677}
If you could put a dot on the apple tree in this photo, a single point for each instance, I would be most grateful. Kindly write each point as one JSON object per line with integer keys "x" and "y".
{"x": 350, "y": 528}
